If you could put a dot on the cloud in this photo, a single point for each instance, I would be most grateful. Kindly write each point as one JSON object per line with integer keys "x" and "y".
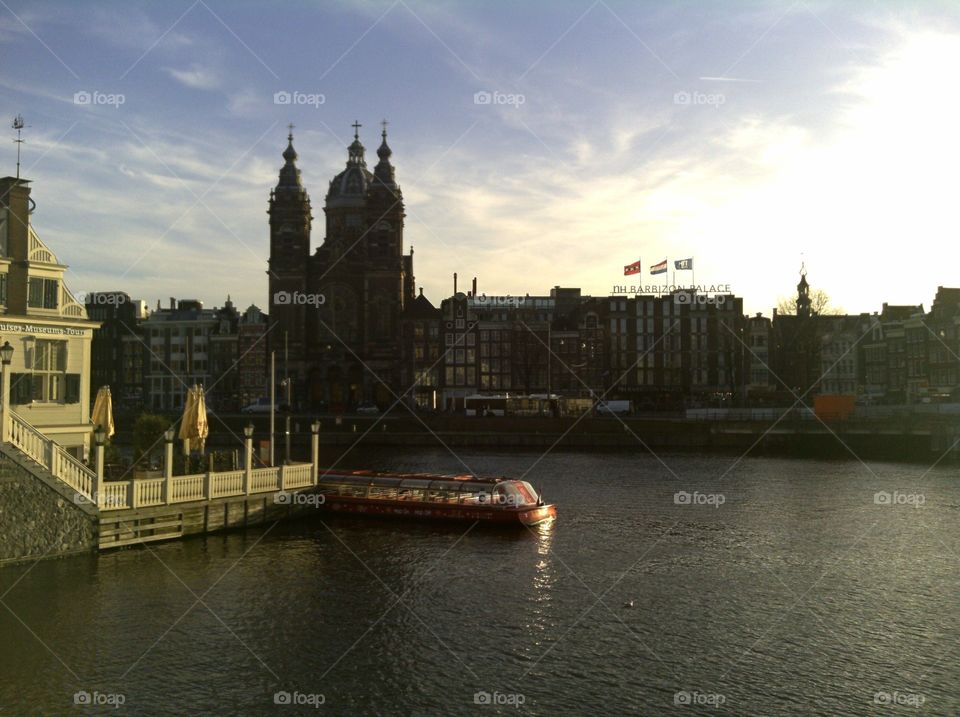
{"x": 195, "y": 77}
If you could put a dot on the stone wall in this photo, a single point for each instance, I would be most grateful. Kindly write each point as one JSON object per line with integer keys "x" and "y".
{"x": 39, "y": 517}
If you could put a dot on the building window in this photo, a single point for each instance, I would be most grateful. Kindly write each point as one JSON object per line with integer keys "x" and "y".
{"x": 43, "y": 293}
{"x": 3, "y": 289}
{"x": 49, "y": 370}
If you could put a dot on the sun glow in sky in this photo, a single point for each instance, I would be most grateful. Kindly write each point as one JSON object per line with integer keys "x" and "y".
{"x": 750, "y": 137}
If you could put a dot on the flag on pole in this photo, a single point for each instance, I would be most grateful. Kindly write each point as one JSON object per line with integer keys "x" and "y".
{"x": 683, "y": 264}
{"x": 633, "y": 268}
{"x": 660, "y": 268}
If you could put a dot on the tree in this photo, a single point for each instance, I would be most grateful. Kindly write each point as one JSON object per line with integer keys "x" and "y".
{"x": 148, "y": 433}
{"x": 819, "y": 304}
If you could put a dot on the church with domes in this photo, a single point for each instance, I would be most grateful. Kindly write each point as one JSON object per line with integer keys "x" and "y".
{"x": 336, "y": 311}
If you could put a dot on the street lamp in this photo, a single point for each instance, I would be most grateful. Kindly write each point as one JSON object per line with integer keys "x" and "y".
{"x": 168, "y": 436}
{"x": 6, "y": 356}
{"x": 315, "y": 451}
{"x": 287, "y": 384}
{"x": 247, "y": 458}
{"x": 100, "y": 438}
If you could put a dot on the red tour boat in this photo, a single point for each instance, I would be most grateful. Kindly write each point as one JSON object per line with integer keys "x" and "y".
{"x": 431, "y": 496}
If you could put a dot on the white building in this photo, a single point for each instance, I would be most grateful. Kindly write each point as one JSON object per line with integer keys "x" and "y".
{"x": 46, "y": 326}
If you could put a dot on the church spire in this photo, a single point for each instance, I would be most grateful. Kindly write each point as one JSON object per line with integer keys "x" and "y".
{"x": 384, "y": 170}
{"x": 289, "y": 174}
{"x": 356, "y": 149}
{"x": 803, "y": 294}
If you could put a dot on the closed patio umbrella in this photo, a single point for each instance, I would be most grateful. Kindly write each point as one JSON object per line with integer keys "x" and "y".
{"x": 102, "y": 414}
{"x": 193, "y": 425}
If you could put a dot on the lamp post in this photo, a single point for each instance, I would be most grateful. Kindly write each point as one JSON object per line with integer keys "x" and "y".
{"x": 247, "y": 457}
{"x": 315, "y": 450}
{"x": 168, "y": 436}
{"x": 99, "y": 438}
{"x": 288, "y": 386}
{"x": 273, "y": 400}
{"x": 6, "y": 356}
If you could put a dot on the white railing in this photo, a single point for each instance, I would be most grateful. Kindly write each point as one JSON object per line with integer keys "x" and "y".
{"x": 113, "y": 495}
{"x": 184, "y": 488}
{"x": 147, "y": 492}
{"x": 226, "y": 484}
{"x": 264, "y": 479}
{"x": 52, "y": 456}
{"x": 297, "y": 475}
{"x": 29, "y": 440}
{"x": 71, "y": 471}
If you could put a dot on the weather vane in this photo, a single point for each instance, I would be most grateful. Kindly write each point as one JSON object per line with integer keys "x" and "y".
{"x": 18, "y": 124}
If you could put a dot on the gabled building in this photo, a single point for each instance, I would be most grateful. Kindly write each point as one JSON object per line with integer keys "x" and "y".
{"x": 119, "y": 318}
{"x": 47, "y": 327}
{"x": 252, "y": 381}
{"x": 420, "y": 356}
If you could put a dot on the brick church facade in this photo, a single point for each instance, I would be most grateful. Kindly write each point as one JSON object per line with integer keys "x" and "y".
{"x": 337, "y": 312}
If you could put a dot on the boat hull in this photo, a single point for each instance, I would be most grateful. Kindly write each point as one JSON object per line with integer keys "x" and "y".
{"x": 533, "y": 515}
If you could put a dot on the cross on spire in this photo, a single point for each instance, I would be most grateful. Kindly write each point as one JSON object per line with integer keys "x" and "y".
{"x": 290, "y": 127}
{"x": 356, "y": 129}
{"x": 384, "y": 123}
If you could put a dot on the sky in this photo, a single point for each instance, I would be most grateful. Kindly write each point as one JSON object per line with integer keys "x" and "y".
{"x": 751, "y": 136}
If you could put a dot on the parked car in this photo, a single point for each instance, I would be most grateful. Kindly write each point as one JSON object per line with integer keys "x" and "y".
{"x": 609, "y": 408}
{"x": 263, "y": 406}
{"x": 368, "y": 408}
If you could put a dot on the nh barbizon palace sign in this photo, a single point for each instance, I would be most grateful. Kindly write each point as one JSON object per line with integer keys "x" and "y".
{"x": 32, "y": 329}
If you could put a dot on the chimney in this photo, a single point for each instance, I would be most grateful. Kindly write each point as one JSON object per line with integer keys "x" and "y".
{"x": 15, "y": 198}
{"x": 474, "y": 286}
{"x": 454, "y": 283}
{"x": 173, "y": 303}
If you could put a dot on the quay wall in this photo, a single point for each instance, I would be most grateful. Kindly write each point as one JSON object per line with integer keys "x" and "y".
{"x": 39, "y": 517}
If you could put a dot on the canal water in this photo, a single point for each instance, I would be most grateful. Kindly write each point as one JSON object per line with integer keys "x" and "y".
{"x": 675, "y": 585}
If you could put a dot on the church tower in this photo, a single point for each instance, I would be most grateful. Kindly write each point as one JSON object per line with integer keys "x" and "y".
{"x": 290, "y": 222}
{"x": 366, "y": 281}
{"x": 803, "y": 296}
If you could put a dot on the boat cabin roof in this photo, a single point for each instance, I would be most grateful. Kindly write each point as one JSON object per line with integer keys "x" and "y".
{"x": 418, "y": 481}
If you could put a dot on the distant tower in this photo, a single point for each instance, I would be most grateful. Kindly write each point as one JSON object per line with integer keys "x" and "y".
{"x": 290, "y": 222}
{"x": 803, "y": 295}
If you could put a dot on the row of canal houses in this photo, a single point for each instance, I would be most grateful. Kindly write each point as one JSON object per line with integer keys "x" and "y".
{"x": 678, "y": 350}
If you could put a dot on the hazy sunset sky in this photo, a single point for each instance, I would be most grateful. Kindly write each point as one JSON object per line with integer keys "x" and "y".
{"x": 750, "y": 136}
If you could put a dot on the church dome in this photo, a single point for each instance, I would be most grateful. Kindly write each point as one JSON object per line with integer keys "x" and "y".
{"x": 350, "y": 186}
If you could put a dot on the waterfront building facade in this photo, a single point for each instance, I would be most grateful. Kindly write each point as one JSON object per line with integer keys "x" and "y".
{"x": 48, "y": 328}
{"x": 119, "y": 317}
